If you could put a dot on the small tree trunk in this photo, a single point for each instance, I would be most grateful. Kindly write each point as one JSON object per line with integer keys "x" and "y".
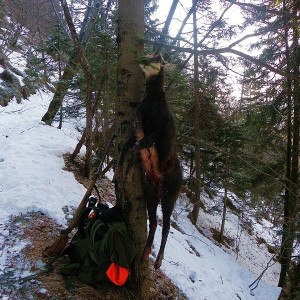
{"x": 59, "y": 72}
{"x": 223, "y": 216}
{"x": 79, "y": 145}
{"x": 89, "y": 88}
{"x": 197, "y": 188}
{"x": 291, "y": 206}
{"x": 191, "y": 165}
{"x": 73, "y": 64}
{"x": 90, "y": 115}
{"x": 288, "y": 153}
{"x": 225, "y": 182}
{"x": 61, "y": 89}
{"x": 295, "y": 283}
{"x": 89, "y": 132}
{"x": 60, "y": 117}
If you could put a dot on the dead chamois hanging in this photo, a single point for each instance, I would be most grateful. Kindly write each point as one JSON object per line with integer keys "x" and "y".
{"x": 155, "y": 140}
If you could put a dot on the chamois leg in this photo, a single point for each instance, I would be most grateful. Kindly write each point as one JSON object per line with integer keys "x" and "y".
{"x": 167, "y": 206}
{"x": 152, "y": 203}
{"x": 169, "y": 194}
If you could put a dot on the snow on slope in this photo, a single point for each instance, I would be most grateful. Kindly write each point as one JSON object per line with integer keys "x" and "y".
{"x": 246, "y": 249}
{"x": 31, "y": 161}
{"x": 207, "y": 271}
{"x": 32, "y": 178}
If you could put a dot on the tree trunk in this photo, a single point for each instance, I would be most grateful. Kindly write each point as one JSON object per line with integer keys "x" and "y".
{"x": 295, "y": 282}
{"x": 79, "y": 145}
{"x": 89, "y": 88}
{"x": 168, "y": 22}
{"x": 291, "y": 208}
{"x": 72, "y": 66}
{"x": 197, "y": 187}
{"x": 61, "y": 89}
{"x": 288, "y": 154}
{"x": 223, "y": 216}
{"x": 130, "y": 85}
{"x": 89, "y": 132}
{"x": 225, "y": 199}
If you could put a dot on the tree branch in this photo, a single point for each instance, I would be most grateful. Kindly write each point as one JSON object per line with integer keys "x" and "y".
{"x": 85, "y": 34}
{"x": 170, "y": 16}
{"x": 167, "y": 23}
{"x": 228, "y": 50}
{"x": 262, "y": 8}
{"x": 248, "y": 36}
{"x": 214, "y": 24}
{"x": 77, "y": 44}
{"x": 184, "y": 22}
{"x": 167, "y": 36}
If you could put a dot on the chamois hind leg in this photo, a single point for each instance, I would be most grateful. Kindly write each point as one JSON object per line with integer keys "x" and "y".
{"x": 152, "y": 203}
{"x": 167, "y": 208}
{"x": 170, "y": 191}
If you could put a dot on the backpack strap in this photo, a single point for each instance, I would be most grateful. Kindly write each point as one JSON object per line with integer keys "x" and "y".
{"x": 98, "y": 232}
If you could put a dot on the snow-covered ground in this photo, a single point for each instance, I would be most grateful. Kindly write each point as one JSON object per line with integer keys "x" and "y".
{"x": 32, "y": 179}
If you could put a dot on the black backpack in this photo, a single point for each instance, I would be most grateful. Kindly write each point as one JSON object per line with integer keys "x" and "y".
{"x": 101, "y": 248}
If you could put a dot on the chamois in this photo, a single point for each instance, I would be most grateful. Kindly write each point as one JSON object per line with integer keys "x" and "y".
{"x": 155, "y": 140}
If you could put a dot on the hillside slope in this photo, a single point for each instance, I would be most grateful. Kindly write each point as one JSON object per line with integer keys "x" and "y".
{"x": 32, "y": 178}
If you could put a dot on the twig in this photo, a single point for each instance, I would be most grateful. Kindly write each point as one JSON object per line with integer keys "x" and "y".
{"x": 255, "y": 283}
{"x": 20, "y": 280}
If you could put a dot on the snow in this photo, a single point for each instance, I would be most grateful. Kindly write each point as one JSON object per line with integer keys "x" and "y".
{"x": 32, "y": 179}
{"x": 18, "y": 61}
{"x": 246, "y": 250}
{"x": 31, "y": 161}
{"x": 214, "y": 274}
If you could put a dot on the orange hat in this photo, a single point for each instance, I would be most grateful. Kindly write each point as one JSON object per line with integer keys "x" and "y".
{"x": 117, "y": 274}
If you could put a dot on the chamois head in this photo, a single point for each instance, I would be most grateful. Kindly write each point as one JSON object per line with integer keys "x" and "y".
{"x": 152, "y": 64}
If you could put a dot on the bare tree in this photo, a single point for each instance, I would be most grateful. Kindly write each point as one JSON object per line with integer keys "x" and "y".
{"x": 88, "y": 97}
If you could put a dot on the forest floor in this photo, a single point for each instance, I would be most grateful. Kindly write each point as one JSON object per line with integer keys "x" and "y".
{"x": 37, "y": 231}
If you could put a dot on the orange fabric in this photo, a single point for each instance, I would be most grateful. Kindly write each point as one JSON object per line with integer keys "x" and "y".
{"x": 117, "y": 274}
